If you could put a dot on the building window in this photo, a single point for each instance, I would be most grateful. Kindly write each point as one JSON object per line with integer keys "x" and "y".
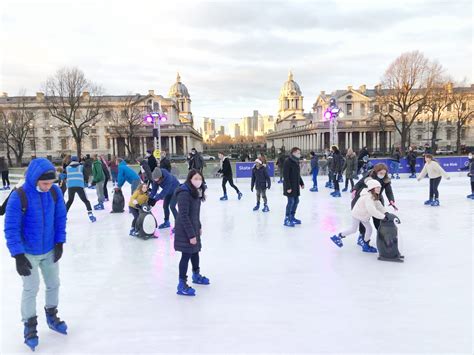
{"x": 463, "y": 134}
{"x": 448, "y": 108}
{"x": 48, "y": 144}
{"x": 390, "y": 108}
{"x": 419, "y": 122}
{"x": 94, "y": 143}
{"x": 108, "y": 143}
{"x": 448, "y": 134}
{"x": 32, "y": 144}
{"x": 418, "y": 137}
{"x": 123, "y": 113}
{"x": 349, "y": 109}
{"x": 108, "y": 114}
{"x": 449, "y": 121}
{"x": 349, "y": 97}
{"x": 63, "y": 143}
{"x": 47, "y": 131}
{"x": 463, "y": 106}
{"x": 362, "y": 109}
{"x": 376, "y": 108}
{"x": 46, "y": 115}
{"x": 94, "y": 130}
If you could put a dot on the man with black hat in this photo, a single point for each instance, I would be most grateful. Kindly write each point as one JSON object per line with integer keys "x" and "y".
{"x": 152, "y": 163}
{"x": 35, "y": 230}
{"x": 196, "y": 161}
{"x": 168, "y": 183}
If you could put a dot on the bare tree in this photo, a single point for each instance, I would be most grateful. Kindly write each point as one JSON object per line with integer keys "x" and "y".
{"x": 128, "y": 122}
{"x": 437, "y": 100}
{"x": 405, "y": 86}
{"x": 15, "y": 128}
{"x": 74, "y": 101}
{"x": 461, "y": 98}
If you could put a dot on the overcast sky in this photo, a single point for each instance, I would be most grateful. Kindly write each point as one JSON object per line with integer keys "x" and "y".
{"x": 233, "y": 56}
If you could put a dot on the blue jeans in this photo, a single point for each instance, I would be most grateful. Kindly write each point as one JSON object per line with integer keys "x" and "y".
{"x": 315, "y": 177}
{"x": 394, "y": 167}
{"x": 291, "y": 206}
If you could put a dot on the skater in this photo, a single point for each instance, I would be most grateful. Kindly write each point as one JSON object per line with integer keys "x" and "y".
{"x": 87, "y": 164}
{"x": 152, "y": 163}
{"x": 411, "y": 159}
{"x": 364, "y": 153}
{"x": 126, "y": 174}
{"x": 395, "y": 164}
{"x": 189, "y": 230}
{"x": 168, "y": 184}
{"x": 314, "y": 171}
{"x": 226, "y": 171}
{"x": 113, "y": 170}
{"x": 280, "y": 163}
{"x": 35, "y": 231}
{"x": 98, "y": 178}
{"x": 337, "y": 163}
{"x": 61, "y": 179}
{"x": 165, "y": 163}
{"x": 5, "y": 173}
{"x": 292, "y": 182}
{"x": 350, "y": 169}
{"x": 379, "y": 173}
{"x": 138, "y": 199}
{"x": 196, "y": 161}
{"x": 434, "y": 172}
{"x": 368, "y": 205}
{"x": 145, "y": 171}
{"x": 75, "y": 185}
{"x": 261, "y": 182}
{"x": 470, "y": 174}
{"x": 107, "y": 174}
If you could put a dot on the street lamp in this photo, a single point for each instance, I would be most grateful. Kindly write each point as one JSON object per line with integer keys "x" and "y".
{"x": 156, "y": 117}
{"x": 32, "y": 126}
{"x": 332, "y": 113}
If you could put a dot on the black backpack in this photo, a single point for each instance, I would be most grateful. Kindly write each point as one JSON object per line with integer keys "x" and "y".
{"x": 24, "y": 201}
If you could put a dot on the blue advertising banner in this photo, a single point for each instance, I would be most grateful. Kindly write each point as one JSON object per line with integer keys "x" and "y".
{"x": 449, "y": 164}
{"x": 244, "y": 170}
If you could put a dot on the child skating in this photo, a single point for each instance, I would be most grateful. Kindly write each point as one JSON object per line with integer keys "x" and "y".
{"x": 434, "y": 172}
{"x": 470, "y": 168}
{"x": 368, "y": 205}
{"x": 261, "y": 182}
{"x": 314, "y": 171}
{"x": 139, "y": 198}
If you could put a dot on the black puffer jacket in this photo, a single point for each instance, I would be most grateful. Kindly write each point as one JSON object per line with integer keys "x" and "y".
{"x": 226, "y": 168}
{"x": 291, "y": 177}
{"x": 385, "y": 183}
{"x": 337, "y": 162}
{"x": 260, "y": 178}
{"x": 188, "y": 225}
{"x": 411, "y": 157}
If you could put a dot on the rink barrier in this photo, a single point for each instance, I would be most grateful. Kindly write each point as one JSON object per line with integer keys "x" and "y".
{"x": 449, "y": 164}
{"x": 244, "y": 170}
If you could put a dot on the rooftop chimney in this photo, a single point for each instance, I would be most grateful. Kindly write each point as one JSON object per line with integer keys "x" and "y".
{"x": 151, "y": 92}
{"x": 349, "y": 88}
{"x": 323, "y": 92}
{"x": 85, "y": 95}
{"x": 363, "y": 88}
{"x": 39, "y": 97}
{"x": 4, "y": 94}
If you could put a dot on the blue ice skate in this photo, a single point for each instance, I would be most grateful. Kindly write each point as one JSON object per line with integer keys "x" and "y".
{"x": 30, "y": 333}
{"x": 184, "y": 289}
{"x": 54, "y": 322}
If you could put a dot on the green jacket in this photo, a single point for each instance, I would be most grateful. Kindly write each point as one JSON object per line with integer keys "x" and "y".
{"x": 97, "y": 171}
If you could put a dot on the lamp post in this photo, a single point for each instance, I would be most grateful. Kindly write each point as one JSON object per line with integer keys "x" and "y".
{"x": 332, "y": 113}
{"x": 155, "y": 117}
{"x": 32, "y": 126}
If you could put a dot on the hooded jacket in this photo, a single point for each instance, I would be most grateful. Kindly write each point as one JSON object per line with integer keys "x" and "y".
{"x": 125, "y": 173}
{"x": 43, "y": 224}
{"x": 366, "y": 207}
{"x": 260, "y": 178}
{"x": 168, "y": 185}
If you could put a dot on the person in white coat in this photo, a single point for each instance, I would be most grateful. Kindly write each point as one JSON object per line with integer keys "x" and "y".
{"x": 368, "y": 205}
{"x": 435, "y": 172}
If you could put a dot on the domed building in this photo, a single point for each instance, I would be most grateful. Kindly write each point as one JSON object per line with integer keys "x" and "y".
{"x": 290, "y": 112}
{"x": 179, "y": 92}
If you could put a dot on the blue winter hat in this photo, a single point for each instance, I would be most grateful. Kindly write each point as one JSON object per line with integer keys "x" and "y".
{"x": 74, "y": 158}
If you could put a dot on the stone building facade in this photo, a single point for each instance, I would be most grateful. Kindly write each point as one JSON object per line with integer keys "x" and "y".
{"x": 48, "y": 138}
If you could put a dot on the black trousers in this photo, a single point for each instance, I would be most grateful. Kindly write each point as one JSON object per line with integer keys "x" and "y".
{"x": 183, "y": 264}
{"x": 335, "y": 181}
{"x": 412, "y": 169}
{"x": 472, "y": 187}
{"x": 135, "y": 214}
{"x": 72, "y": 191}
{"x": 169, "y": 202}
{"x": 5, "y": 179}
{"x": 347, "y": 183}
{"x": 106, "y": 193}
{"x": 229, "y": 179}
{"x": 434, "y": 183}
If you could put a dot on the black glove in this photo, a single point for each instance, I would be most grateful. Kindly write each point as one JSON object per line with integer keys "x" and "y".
{"x": 58, "y": 251}
{"x": 23, "y": 265}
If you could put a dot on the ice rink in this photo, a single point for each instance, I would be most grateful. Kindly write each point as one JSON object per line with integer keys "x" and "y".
{"x": 273, "y": 289}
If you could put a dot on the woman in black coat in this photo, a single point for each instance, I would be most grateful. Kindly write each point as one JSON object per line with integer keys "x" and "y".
{"x": 337, "y": 164}
{"x": 291, "y": 186}
{"x": 188, "y": 230}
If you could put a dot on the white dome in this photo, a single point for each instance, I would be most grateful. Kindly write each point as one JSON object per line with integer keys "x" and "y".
{"x": 178, "y": 89}
{"x": 290, "y": 87}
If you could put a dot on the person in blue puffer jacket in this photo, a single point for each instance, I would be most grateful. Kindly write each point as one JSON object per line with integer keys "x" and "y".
{"x": 35, "y": 232}
{"x": 126, "y": 174}
{"x": 168, "y": 184}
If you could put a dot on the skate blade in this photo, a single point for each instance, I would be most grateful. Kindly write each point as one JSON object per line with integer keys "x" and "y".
{"x": 396, "y": 260}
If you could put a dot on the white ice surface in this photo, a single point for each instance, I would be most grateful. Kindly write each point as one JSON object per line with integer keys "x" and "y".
{"x": 274, "y": 289}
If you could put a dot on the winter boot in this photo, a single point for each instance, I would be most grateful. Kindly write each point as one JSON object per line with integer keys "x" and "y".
{"x": 133, "y": 232}
{"x": 337, "y": 239}
{"x": 360, "y": 240}
{"x": 30, "y": 333}
{"x": 184, "y": 289}
{"x": 280, "y": 181}
{"x": 435, "y": 203}
{"x": 199, "y": 279}
{"x": 165, "y": 224}
{"x": 328, "y": 184}
{"x": 471, "y": 196}
{"x": 265, "y": 208}
{"x": 344, "y": 189}
{"x": 288, "y": 222}
{"x": 239, "y": 195}
{"x": 428, "y": 202}
{"x": 367, "y": 248}
{"x": 224, "y": 198}
{"x": 412, "y": 176}
{"x": 336, "y": 194}
{"x": 91, "y": 217}
{"x": 54, "y": 322}
{"x": 397, "y": 177}
{"x": 257, "y": 206}
{"x": 314, "y": 189}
